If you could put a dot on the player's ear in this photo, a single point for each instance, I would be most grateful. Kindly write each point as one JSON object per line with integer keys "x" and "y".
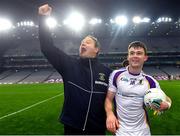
{"x": 146, "y": 58}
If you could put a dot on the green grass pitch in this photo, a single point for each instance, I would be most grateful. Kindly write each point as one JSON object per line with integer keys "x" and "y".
{"x": 33, "y": 109}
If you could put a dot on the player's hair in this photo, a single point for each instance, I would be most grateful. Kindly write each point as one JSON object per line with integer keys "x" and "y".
{"x": 137, "y": 44}
{"x": 97, "y": 44}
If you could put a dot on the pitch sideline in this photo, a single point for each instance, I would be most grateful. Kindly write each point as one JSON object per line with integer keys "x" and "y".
{"x": 26, "y": 108}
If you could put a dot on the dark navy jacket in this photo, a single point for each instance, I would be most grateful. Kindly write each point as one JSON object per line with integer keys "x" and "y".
{"x": 85, "y": 85}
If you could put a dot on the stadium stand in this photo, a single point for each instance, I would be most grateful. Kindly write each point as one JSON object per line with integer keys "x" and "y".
{"x": 55, "y": 77}
{"x": 36, "y": 69}
{"x": 152, "y": 70}
{"x": 38, "y": 76}
{"x": 172, "y": 71}
{"x": 15, "y": 77}
{"x": 23, "y": 62}
{"x": 5, "y": 74}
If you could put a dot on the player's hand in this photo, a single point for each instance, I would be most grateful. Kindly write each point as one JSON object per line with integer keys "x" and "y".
{"x": 112, "y": 123}
{"x": 160, "y": 105}
{"x": 155, "y": 104}
{"x": 45, "y": 10}
{"x": 163, "y": 106}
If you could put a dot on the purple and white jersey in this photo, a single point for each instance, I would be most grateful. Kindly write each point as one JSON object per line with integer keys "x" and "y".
{"x": 129, "y": 92}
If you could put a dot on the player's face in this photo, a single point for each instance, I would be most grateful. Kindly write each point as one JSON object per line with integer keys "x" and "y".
{"x": 87, "y": 48}
{"x": 136, "y": 57}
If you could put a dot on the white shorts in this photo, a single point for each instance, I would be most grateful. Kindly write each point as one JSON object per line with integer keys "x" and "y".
{"x": 142, "y": 132}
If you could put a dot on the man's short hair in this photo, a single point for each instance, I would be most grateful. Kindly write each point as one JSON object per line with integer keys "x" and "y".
{"x": 97, "y": 44}
{"x": 137, "y": 44}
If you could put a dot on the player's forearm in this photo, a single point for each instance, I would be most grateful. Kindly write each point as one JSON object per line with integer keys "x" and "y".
{"x": 108, "y": 107}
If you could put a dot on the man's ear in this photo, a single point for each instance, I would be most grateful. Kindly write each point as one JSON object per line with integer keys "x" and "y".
{"x": 97, "y": 50}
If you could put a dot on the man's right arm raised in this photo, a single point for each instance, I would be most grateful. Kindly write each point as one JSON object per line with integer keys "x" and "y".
{"x": 54, "y": 55}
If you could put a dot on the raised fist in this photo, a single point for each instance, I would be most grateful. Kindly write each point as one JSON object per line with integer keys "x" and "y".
{"x": 45, "y": 10}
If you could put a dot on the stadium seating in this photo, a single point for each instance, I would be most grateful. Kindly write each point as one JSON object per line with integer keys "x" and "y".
{"x": 24, "y": 55}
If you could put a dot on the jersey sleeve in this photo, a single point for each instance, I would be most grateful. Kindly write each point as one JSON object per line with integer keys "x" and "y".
{"x": 152, "y": 82}
{"x": 112, "y": 87}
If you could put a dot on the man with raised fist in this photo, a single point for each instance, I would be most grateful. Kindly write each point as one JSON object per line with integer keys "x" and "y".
{"x": 85, "y": 82}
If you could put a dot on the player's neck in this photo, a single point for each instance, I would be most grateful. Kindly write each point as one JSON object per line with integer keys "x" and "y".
{"x": 134, "y": 70}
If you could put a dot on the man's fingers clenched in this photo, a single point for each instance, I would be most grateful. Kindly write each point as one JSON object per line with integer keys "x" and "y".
{"x": 45, "y": 10}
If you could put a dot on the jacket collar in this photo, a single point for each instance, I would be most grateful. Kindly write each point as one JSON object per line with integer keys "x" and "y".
{"x": 85, "y": 61}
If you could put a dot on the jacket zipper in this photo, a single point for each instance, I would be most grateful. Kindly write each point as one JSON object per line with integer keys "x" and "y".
{"x": 89, "y": 105}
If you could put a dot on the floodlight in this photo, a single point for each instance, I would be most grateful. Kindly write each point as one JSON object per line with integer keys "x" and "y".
{"x": 25, "y": 23}
{"x": 164, "y": 19}
{"x": 136, "y": 19}
{"x": 5, "y": 24}
{"x": 112, "y": 21}
{"x": 146, "y": 20}
{"x": 75, "y": 21}
{"x": 121, "y": 20}
{"x": 95, "y": 21}
{"x": 51, "y": 22}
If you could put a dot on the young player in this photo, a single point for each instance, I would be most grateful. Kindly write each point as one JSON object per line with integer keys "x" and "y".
{"x": 128, "y": 86}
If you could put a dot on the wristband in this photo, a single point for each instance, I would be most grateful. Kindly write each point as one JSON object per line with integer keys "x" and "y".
{"x": 169, "y": 105}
